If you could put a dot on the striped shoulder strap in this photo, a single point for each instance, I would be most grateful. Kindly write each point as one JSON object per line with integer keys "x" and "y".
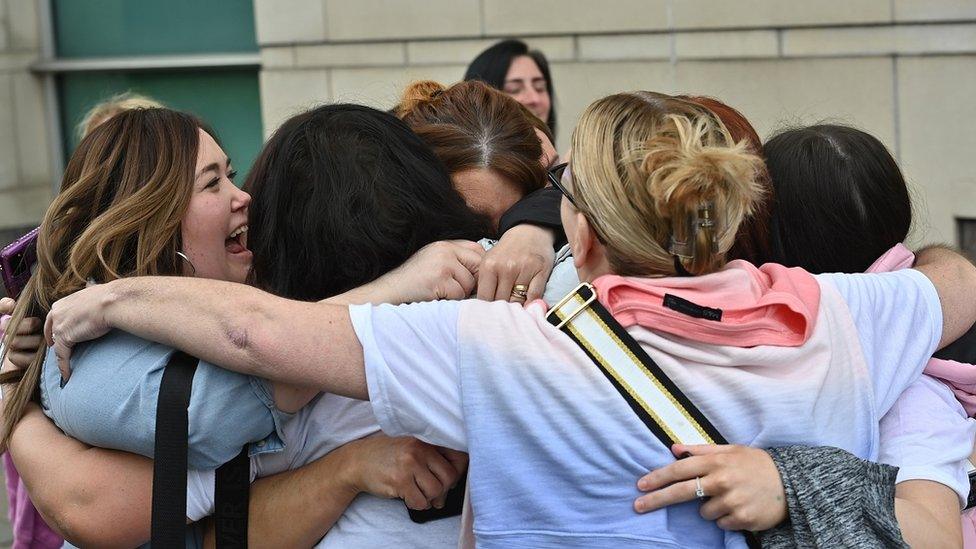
{"x": 656, "y": 400}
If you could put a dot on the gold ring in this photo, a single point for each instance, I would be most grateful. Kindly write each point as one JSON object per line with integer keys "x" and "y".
{"x": 519, "y": 292}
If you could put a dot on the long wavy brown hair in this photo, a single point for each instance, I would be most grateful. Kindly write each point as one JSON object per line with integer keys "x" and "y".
{"x": 118, "y": 214}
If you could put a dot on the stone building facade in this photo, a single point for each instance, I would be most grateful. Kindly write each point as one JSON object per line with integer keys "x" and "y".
{"x": 904, "y": 70}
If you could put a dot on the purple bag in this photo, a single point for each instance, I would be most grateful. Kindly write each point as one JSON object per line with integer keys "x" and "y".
{"x": 16, "y": 262}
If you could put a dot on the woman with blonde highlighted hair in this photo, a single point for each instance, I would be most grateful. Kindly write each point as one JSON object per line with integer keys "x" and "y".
{"x": 654, "y": 194}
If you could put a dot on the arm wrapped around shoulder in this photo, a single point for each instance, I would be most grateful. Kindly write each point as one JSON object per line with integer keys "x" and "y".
{"x": 110, "y": 402}
{"x": 835, "y": 499}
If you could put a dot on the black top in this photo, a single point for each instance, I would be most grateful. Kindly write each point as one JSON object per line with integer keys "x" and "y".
{"x": 540, "y": 208}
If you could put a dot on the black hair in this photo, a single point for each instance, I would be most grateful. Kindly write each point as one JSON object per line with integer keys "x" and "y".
{"x": 343, "y": 194}
{"x": 491, "y": 66}
{"x": 839, "y": 199}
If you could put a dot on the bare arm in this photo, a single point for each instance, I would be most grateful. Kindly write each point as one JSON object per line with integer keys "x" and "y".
{"x": 928, "y": 513}
{"x": 246, "y": 330}
{"x": 954, "y": 278}
{"x": 308, "y": 500}
{"x": 103, "y": 498}
{"x": 91, "y": 496}
{"x": 232, "y": 325}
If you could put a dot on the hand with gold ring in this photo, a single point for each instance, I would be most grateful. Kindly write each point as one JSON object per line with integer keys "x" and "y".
{"x": 520, "y": 263}
{"x": 739, "y": 487}
{"x": 519, "y": 292}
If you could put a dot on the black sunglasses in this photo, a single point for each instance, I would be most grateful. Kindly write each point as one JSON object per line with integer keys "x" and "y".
{"x": 555, "y": 175}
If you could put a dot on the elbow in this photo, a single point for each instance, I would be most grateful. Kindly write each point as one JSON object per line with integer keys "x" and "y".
{"x": 82, "y": 526}
{"x": 243, "y": 332}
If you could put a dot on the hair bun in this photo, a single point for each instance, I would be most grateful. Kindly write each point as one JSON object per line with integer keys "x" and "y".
{"x": 417, "y": 93}
{"x": 704, "y": 187}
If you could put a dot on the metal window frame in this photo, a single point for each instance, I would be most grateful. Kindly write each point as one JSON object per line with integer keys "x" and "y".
{"x": 49, "y": 66}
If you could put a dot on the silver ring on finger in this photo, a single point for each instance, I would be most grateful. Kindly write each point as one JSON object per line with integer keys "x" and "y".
{"x": 699, "y": 491}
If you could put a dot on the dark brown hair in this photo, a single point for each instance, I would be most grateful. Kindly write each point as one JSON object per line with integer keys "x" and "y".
{"x": 471, "y": 125}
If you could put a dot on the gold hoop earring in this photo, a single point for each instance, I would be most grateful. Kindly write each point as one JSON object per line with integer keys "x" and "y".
{"x": 182, "y": 256}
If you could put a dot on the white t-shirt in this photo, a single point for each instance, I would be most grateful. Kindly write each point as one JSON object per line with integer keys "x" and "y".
{"x": 325, "y": 424}
{"x": 331, "y": 421}
{"x": 927, "y": 435}
{"x": 415, "y": 373}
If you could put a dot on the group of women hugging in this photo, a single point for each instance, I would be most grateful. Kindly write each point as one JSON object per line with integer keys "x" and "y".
{"x": 370, "y": 315}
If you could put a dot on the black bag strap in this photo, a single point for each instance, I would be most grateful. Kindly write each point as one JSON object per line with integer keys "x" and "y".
{"x": 169, "y": 465}
{"x": 232, "y": 485}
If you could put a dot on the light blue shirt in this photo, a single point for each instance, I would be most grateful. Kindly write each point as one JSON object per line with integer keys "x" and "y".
{"x": 110, "y": 402}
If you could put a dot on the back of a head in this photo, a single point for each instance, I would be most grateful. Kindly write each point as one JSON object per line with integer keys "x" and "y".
{"x": 841, "y": 201}
{"x": 752, "y": 241}
{"x": 123, "y": 196}
{"x": 470, "y": 125}
{"x": 112, "y": 106}
{"x": 491, "y": 66}
{"x": 662, "y": 182}
{"x": 342, "y": 194}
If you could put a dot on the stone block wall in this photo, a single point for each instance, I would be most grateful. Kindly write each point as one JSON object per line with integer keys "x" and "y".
{"x": 25, "y": 173}
{"x": 904, "y": 70}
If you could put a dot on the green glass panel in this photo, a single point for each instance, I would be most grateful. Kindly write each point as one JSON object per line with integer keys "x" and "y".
{"x": 106, "y": 28}
{"x": 227, "y": 100}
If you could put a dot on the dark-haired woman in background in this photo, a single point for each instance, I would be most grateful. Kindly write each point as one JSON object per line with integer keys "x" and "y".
{"x": 524, "y": 74}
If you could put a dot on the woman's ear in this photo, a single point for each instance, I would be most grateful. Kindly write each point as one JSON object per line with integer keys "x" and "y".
{"x": 582, "y": 240}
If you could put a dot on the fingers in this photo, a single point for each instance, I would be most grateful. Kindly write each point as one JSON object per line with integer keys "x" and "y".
{"x": 469, "y": 245}
{"x": 459, "y": 460}
{"x": 20, "y": 359}
{"x": 49, "y": 329}
{"x": 469, "y": 254}
{"x": 731, "y": 523}
{"x": 701, "y": 449}
{"x": 442, "y": 469}
{"x": 431, "y": 487}
{"x": 537, "y": 286}
{"x": 487, "y": 283}
{"x": 62, "y": 350}
{"x": 678, "y": 492}
{"x": 446, "y": 475}
{"x": 680, "y": 470}
{"x": 29, "y": 326}
{"x": 27, "y": 343}
{"x": 507, "y": 276}
{"x": 715, "y": 508}
{"x": 7, "y": 306}
{"x": 465, "y": 279}
{"x": 414, "y": 497}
